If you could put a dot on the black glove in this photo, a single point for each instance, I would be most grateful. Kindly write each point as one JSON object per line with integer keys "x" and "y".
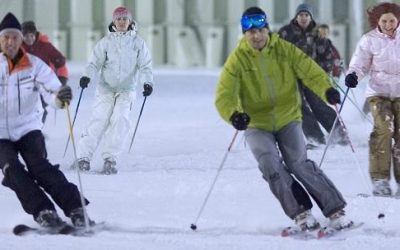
{"x": 333, "y": 96}
{"x": 64, "y": 95}
{"x": 351, "y": 80}
{"x": 147, "y": 89}
{"x": 84, "y": 82}
{"x": 240, "y": 120}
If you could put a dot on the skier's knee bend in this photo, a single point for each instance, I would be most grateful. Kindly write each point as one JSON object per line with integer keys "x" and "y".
{"x": 4, "y": 169}
{"x": 308, "y": 165}
{"x": 10, "y": 165}
{"x": 10, "y": 169}
{"x": 268, "y": 168}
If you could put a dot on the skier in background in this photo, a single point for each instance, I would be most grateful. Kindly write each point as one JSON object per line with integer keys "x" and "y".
{"x": 331, "y": 63}
{"x": 377, "y": 54}
{"x": 258, "y": 92}
{"x": 123, "y": 60}
{"x": 38, "y": 44}
{"x": 301, "y": 32}
{"x": 25, "y": 79}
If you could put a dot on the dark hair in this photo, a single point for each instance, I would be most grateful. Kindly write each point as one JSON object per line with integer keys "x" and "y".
{"x": 323, "y": 26}
{"x": 29, "y": 27}
{"x": 375, "y": 12}
{"x": 253, "y": 11}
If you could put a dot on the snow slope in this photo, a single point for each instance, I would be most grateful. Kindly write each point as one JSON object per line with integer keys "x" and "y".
{"x": 163, "y": 181}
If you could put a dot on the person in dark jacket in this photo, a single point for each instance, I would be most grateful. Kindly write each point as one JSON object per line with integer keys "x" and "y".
{"x": 331, "y": 63}
{"x": 301, "y": 32}
{"x": 38, "y": 44}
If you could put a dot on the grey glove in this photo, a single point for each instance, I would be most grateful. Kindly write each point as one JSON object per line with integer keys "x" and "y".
{"x": 64, "y": 96}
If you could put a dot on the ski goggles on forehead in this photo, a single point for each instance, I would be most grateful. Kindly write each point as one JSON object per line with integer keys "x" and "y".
{"x": 253, "y": 21}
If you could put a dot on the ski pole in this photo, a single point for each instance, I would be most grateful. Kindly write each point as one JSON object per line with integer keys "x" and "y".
{"x": 71, "y": 134}
{"x": 363, "y": 115}
{"x": 55, "y": 117}
{"x": 365, "y": 178}
{"x": 137, "y": 124}
{"x": 333, "y": 128}
{"x": 73, "y": 123}
{"x": 194, "y": 226}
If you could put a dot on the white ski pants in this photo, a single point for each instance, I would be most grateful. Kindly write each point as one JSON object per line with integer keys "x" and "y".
{"x": 110, "y": 122}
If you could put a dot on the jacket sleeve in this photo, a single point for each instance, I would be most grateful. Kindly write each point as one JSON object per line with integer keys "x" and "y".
{"x": 55, "y": 56}
{"x": 324, "y": 54}
{"x": 47, "y": 82}
{"x": 145, "y": 64}
{"x": 361, "y": 60}
{"x": 284, "y": 32}
{"x": 97, "y": 58}
{"x": 227, "y": 98}
{"x": 58, "y": 60}
{"x": 309, "y": 72}
{"x": 337, "y": 62}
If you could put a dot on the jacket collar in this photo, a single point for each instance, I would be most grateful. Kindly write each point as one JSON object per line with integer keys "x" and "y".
{"x": 19, "y": 63}
{"x": 386, "y": 36}
{"x": 273, "y": 38}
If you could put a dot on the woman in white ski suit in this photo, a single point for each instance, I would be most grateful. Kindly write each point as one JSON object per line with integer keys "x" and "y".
{"x": 123, "y": 60}
{"x": 378, "y": 54}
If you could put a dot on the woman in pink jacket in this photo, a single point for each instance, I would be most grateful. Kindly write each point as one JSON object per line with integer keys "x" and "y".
{"x": 378, "y": 54}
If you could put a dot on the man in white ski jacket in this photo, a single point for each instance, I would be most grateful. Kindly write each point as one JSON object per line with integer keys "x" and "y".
{"x": 19, "y": 100}
{"x": 123, "y": 60}
{"x": 23, "y": 79}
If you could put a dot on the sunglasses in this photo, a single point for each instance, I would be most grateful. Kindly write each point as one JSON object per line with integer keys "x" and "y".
{"x": 253, "y": 21}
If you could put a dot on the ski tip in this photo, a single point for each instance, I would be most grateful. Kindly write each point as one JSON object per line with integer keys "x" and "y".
{"x": 288, "y": 231}
{"x": 284, "y": 233}
{"x": 321, "y": 234}
{"x": 21, "y": 229}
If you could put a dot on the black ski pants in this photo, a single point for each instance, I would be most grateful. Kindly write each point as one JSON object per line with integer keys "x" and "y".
{"x": 39, "y": 176}
{"x": 315, "y": 110}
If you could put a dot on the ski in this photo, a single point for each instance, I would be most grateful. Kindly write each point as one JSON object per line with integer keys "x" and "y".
{"x": 66, "y": 229}
{"x": 328, "y": 232}
{"x": 22, "y": 230}
{"x": 297, "y": 233}
{"x": 96, "y": 172}
{"x": 365, "y": 195}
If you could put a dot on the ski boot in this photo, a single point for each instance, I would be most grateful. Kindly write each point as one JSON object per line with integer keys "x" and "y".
{"x": 109, "y": 166}
{"x": 397, "y": 194}
{"x": 381, "y": 188}
{"x": 340, "y": 136}
{"x": 306, "y": 221}
{"x": 339, "y": 221}
{"x": 78, "y": 218}
{"x": 49, "y": 218}
{"x": 84, "y": 164}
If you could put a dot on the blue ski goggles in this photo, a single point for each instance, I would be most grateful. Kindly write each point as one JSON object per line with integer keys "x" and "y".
{"x": 253, "y": 22}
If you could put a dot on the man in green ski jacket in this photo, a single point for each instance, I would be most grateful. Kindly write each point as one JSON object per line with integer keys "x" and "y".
{"x": 258, "y": 92}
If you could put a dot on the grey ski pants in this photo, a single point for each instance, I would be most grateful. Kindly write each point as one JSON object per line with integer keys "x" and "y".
{"x": 282, "y": 159}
